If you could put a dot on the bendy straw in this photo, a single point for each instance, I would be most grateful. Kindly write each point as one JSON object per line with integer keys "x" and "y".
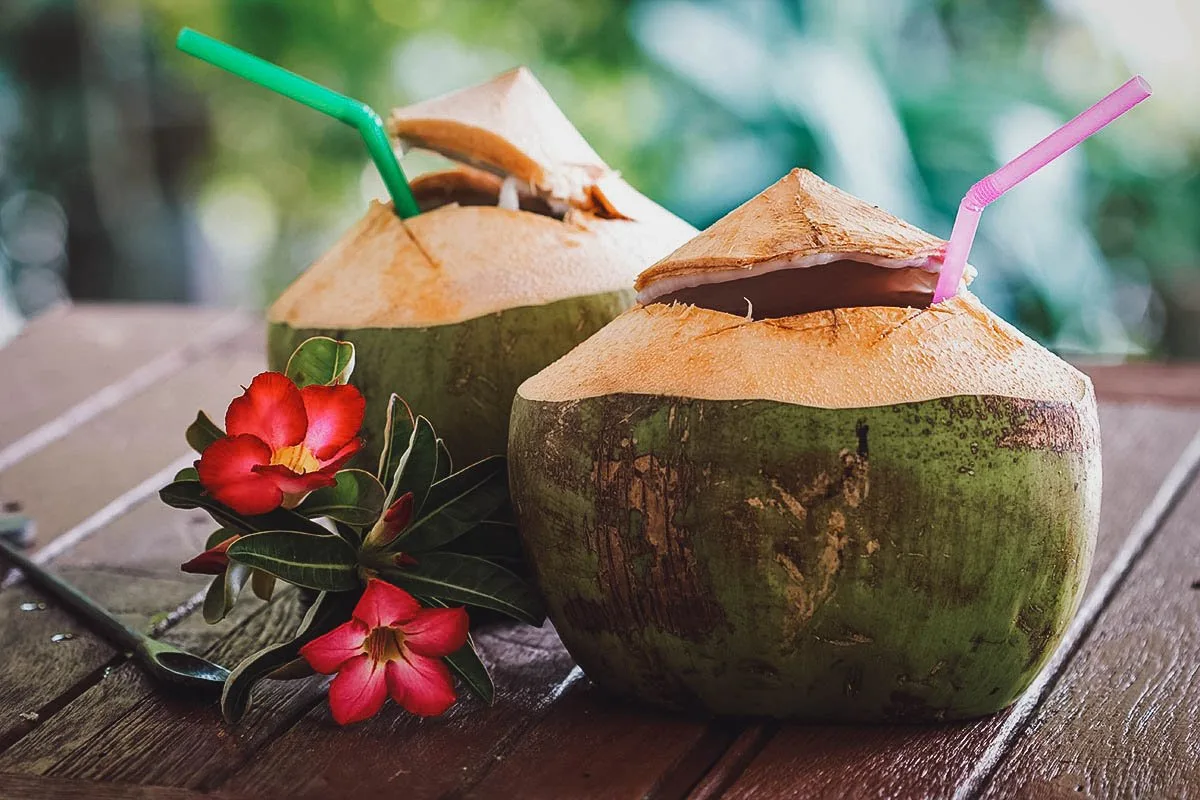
{"x": 986, "y": 191}
{"x": 350, "y": 111}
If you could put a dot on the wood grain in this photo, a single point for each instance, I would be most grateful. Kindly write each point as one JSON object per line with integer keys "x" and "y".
{"x": 591, "y": 746}
{"x": 72, "y": 477}
{"x": 126, "y": 729}
{"x": 396, "y": 753}
{"x": 1122, "y": 720}
{"x": 26, "y": 787}
{"x": 1141, "y": 444}
{"x": 75, "y": 362}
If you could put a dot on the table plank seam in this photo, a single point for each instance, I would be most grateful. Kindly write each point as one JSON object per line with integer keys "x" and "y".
{"x": 1168, "y": 496}
{"x": 681, "y": 777}
{"x": 59, "y": 702}
{"x": 224, "y": 330}
{"x": 734, "y": 761}
{"x": 172, "y": 619}
{"x": 117, "y": 507}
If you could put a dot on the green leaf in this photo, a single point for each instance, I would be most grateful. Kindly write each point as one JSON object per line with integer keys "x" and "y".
{"x": 466, "y": 664}
{"x": 187, "y": 474}
{"x": 321, "y": 361}
{"x": 330, "y": 610}
{"x": 491, "y": 541}
{"x": 203, "y": 432}
{"x": 223, "y": 593}
{"x": 189, "y": 494}
{"x": 325, "y": 562}
{"x": 356, "y": 499}
{"x": 294, "y": 670}
{"x": 456, "y": 505}
{"x": 445, "y": 464}
{"x": 218, "y": 536}
{"x": 263, "y": 585}
{"x": 417, "y": 466}
{"x": 457, "y": 578}
{"x": 396, "y": 435}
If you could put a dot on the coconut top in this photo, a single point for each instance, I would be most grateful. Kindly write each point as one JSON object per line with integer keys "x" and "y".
{"x": 536, "y": 217}
{"x": 458, "y": 262}
{"x": 842, "y": 358}
{"x": 799, "y": 222}
{"x": 510, "y": 126}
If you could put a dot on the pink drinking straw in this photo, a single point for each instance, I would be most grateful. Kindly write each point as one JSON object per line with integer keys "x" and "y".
{"x": 1134, "y": 91}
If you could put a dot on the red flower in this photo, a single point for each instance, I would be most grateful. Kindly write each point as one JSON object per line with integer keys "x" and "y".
{"x": 393, "y": 646}
{"x": 212, "y": 561}
{"x": 391, "y": 524}
{"x": 281, "y": 443}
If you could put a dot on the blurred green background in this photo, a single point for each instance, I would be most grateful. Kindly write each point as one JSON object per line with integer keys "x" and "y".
{"x": 130, "y": 171}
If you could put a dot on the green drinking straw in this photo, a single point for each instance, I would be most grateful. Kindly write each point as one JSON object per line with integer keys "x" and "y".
{"x": 350, "y": 111}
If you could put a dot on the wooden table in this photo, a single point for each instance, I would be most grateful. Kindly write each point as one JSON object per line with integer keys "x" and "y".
{"x": 93, "y": 404}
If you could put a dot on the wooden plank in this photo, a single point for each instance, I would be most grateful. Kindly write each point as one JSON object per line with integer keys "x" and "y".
{"x": 1141, "y": 445}
{"x": 1121, "y": 721}
{"x": 26, "y": 787}
{"x": 75, "y": 362}
{"x": 398, "y": 753}
{"x": 125, "y": 728}
{"x": 93, "y": 467}
{"x": 590, "y": 746}
{"x": 69, "y": 488}
{"x": 1177, "y": 384}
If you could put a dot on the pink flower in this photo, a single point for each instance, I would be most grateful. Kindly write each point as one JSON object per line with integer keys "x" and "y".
{"x": 281, "y": 443}
{"x": 392, "y": 646}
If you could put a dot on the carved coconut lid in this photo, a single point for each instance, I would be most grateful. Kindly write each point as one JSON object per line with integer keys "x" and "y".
{"x": 510, "y": 126}
{"x": 801, "y": 221}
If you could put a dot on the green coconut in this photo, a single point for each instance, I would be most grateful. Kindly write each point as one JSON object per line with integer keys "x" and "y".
{"x": 520, "y": 253}
{"x": 863, "y": 512}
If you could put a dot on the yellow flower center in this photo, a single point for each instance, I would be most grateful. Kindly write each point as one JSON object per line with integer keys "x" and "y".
{"x": 298, "y": 458}
{"x": 384, "y": 644}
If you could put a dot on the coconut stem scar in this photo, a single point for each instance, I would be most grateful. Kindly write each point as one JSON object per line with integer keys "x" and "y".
{"x": 986, "y": 191}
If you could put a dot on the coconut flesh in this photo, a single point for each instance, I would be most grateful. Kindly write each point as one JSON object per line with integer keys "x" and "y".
{"x": 742, "y": 499}
{"x": 522, "y": 251}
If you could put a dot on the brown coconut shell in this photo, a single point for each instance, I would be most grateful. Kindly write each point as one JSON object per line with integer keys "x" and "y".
{"x": 801, "y": 221}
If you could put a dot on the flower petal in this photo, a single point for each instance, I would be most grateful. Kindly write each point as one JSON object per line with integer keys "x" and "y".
{"x": 334, "y": 463}
{"x": 326, "y": 653}
{"x": 270, "y": 409}
{"x": 436, "y": 632}
{"x": 420, "y": 685}
{"x": 358, "y": 691}
{"x": 335, "y": 415}
{"x": 226, "y": 470}
{"x": 290, "y": 482}
{"x": 383, "y": 605}
{"x": 212, "y": 561}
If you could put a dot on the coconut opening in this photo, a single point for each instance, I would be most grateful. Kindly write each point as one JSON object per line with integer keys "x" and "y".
{"x": 474, "y": 188}
{"x": 788, "y": 287}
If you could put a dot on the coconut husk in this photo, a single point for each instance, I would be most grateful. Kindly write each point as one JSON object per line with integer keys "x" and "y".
{"x": 843, "y": 358}
{"x": 458, "y": 262}
{"x": 800, "y": 221}
{"x": 510, "y": 126}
